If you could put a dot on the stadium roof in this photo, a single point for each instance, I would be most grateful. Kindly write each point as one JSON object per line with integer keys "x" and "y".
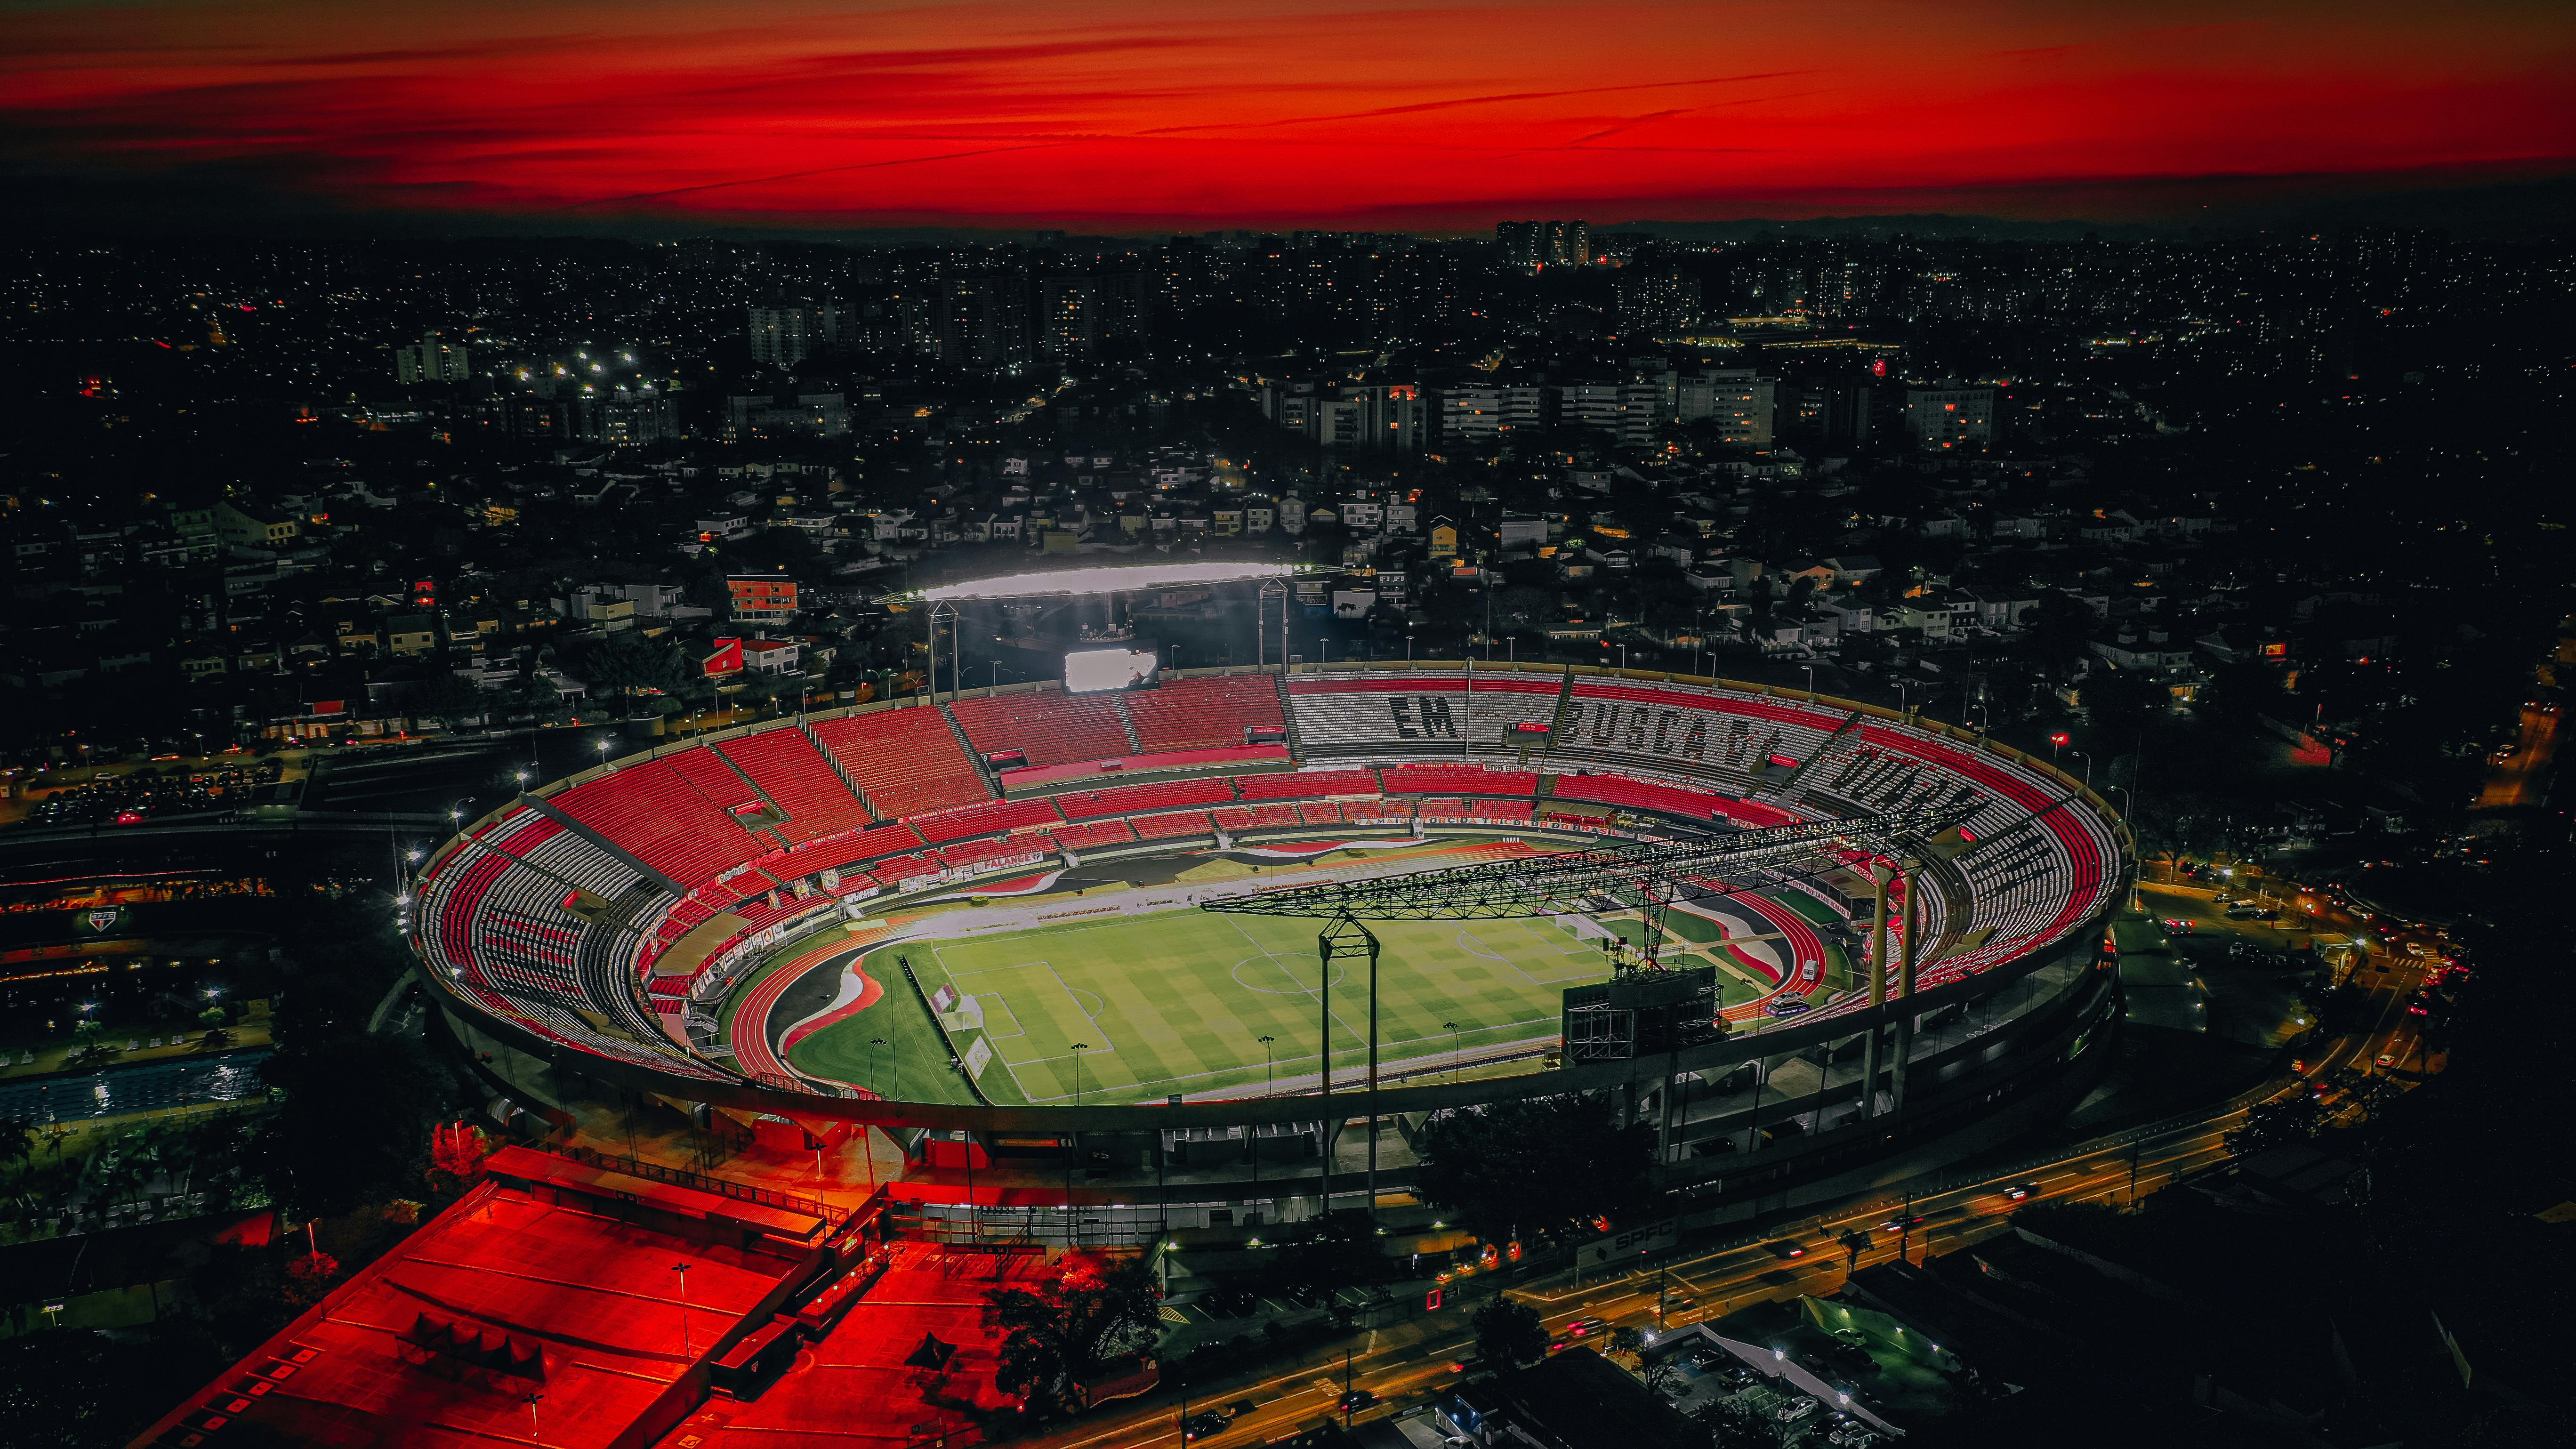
{"x": 1118, "y": 579}
{"x": 595, "y": 1301}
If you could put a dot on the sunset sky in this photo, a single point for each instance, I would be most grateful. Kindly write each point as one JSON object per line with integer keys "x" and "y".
{"x": 1129, "y": 115}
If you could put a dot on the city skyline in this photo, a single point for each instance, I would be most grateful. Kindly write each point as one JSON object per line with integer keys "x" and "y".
{"x": 1146, "y": 116}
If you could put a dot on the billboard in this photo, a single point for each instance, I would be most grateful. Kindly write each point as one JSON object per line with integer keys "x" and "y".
{"x": 1089, "y": 671}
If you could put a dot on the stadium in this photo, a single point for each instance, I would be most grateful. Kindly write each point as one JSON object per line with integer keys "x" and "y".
{"x": 1026, "y": 927}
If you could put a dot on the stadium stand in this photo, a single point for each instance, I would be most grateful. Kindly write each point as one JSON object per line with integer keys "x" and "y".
{"x": 1129, "y": 799}
{"x": 1046, "y": 724}
{"x": 1203, "y": 714}
{"x": 907, "y": 760}
{"x": 975, "y": 852}
{"x": 1637, "y": 794}
{"x": 1095, "y": 835}
{"x": 651, "y": 810}
{"x": 1467, "y": 779}
{"x": 794, "y": 775}
{"x": 546, "y": 927}
{"x": 846, "y": 850}
{"x": 1173, "y": 826}
{"x": 1257, "y": 817}
{"x": 903, "y": 868}
{"x": 987, "y": 819}
{"x": 1292, "y": 785}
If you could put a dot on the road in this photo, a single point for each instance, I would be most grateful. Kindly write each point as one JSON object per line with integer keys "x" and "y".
{"x": 2515, "y": 779}
{"x": 1715, "y": 1283}
{"x": 1718, "y": 1282}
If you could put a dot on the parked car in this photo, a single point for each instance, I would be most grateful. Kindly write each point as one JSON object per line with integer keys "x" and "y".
{"x": 1794, "y": 1410}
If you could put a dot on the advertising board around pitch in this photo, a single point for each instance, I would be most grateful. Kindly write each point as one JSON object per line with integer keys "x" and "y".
{"x": 1631, "y": 1244}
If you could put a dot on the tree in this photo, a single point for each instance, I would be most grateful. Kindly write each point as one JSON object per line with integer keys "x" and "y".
{"x": 1537, "y": 1165}
{"x": 1520, "y": 606}
{"x": 630, "y": 664}
{"x": 2277, "y": 1123}
{"x": 1509, "y": 1333}
{"x": 1096, "y": 1311}
{"x": 17, "y": 1139}
{"x": 450, "y": 699}
{"x": 1734, "y": 1424}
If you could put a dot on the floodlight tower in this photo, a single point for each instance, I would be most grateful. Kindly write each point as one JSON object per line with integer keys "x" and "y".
{"x": 1271, "y": 589}
{"x": 1341, "y": 938}
{"x": 943, "y": 614}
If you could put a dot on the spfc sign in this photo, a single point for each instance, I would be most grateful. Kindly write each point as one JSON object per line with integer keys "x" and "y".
{"x": 104, "y": 919}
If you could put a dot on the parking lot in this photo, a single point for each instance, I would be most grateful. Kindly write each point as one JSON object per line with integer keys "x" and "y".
{"x": 1693, "y": 1389}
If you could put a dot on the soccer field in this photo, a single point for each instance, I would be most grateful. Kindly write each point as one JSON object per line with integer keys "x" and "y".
{"x": 1178, "y": 1002}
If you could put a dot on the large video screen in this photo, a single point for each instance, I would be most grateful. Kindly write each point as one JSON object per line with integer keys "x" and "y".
{"x": 1089, "y": 671}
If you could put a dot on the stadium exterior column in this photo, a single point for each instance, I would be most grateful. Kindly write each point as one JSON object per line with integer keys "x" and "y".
{"x": 1324, "y": 1133}
{"x": 1372, "y": 1082}
{"x": 1664, "y": 1094}
{"x": 1905, "y": 987}
{"x": 1878, "y": 874}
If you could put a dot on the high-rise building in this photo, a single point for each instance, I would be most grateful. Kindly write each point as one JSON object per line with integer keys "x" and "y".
{"x": 1627, "y": 411}
{"x": 1657, "y": 303}
{"x": 1535, "y": 244}
{"x": 432, "y": 359}
{"x": 1077, "y": 314}
{"x": 1836, "y": 417}
{"x": 1478, "y": 412}
{"x": 782, "y": 333}
{"x": 1950, "y": 419}
{"x": 1741, "y": 402}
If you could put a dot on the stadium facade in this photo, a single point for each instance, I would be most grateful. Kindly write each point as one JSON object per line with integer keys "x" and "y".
{"x": 594, "y": 936}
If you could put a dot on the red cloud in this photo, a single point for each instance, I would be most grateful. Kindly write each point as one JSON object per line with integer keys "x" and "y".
{"x": 1161, "y": 114}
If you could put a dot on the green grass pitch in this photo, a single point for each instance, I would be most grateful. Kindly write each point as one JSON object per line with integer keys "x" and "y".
{"x": 1177, "y": 1002}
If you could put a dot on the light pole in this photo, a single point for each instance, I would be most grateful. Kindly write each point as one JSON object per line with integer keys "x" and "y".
{"x": 2057, "y": 745}
{"x": 873, "y": 1078}
{"x": 1451, "y": 1027}
{"x": 682, "y": 1268}
{"x": 1811, "y": 682}
{"x": 601, "y": 745}
{"x": 1072, "y": 1146}
{"x": 1900, "y": 695}
{"x": 1408, "y": 648}
{"x": 2087, "y": 758}
{"x": 1268, "y": 1061}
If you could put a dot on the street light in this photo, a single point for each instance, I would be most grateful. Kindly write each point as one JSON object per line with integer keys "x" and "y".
{"x": 872, "y": 1064}
{"x": 1267, "y": 1062}
{"x": 1451, "y": 1027}
{"x": 2087, "y": 758}
{"x": 1811, "y": 681}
